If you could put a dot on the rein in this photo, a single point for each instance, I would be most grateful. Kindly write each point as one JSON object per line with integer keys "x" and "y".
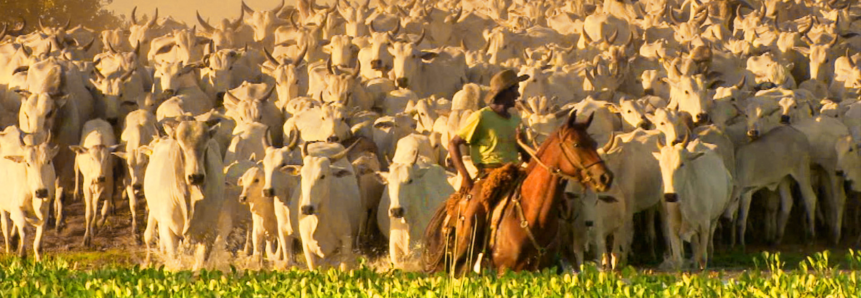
{"x": 556, "y": 171}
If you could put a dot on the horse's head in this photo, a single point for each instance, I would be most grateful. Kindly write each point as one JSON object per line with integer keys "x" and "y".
{"x": 580, "y": 156}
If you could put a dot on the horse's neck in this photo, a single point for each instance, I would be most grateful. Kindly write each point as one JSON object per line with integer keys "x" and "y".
{"x": 538, "y": 192}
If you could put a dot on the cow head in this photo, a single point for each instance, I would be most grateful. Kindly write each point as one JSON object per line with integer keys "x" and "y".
{"x": 137, "y": 160}
{"x": 690, "y": 93}
{"x": 193, "y": 138}
{"x": 246, "y": 103}
{"x": 633, "y": 114}
{"x": 378, "y": 54}
{"x": 819, "y": 54}
{"x": 674, "y": 174}
{"x": 849, "y": 161}
{"x": 668, "y": 122}
{"x": 37, "y": 160}
{"x": 342, "y": 50}
{"x": 219, "y": 73}
{"x": 499, "y": 46}
{"x": 406, "y": 191}
{"x": 340, "y": 87}
{"x": 408, "y": 62}
{"x": 142, "y": 33}
{"x": 793, "y": 111}
{"x": 317, "y": 173}
{"x": 355, "y": 17}
{"x": 224, "y": 35}
{"x": 761, "y": 117}
{"x": 94, "y": 163}
{"x": 264, "y": 22}
{"x": 173, "y": 76}
{"x": 277, "y": 162}
{"x": 112, "y": 89}
{"x": 252, "y": 182}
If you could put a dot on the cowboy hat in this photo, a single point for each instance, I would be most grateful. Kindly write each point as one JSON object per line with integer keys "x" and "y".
{"x": 503, "y": 80}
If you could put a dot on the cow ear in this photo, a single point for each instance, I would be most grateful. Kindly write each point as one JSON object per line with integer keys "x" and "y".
{"x": 607, "y": 199}
{"x": 61, "y": 101}
{"x": 341, "y": 172}
{"x": 78, "y": 149}
{"x": 114, "y": 147}
{"x": 695, "y": 155}
{"x": 613, "y": 108}
{"x": 146, "y": 150}
{"x": 428, "y": 55}
{"x": 52, "y": 151}
{"x": 657, "y": 155}
{"x": 381, "y": 177}
{"x": 122, "y": 155}
{"x": 15, "y": 158}
{"x": 253, "y": 157}
{"x": 292, "y": 170}
{"x": 170, "y": 127}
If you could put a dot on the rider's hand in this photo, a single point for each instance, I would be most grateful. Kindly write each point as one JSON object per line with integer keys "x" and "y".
{"x": 466, "y": 183}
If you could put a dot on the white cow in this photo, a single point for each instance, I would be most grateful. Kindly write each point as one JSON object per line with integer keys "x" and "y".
{"x": 280, "y": 187}
{"x": 184, "y": 187}
{"x": 329, "y": 204}
{"x": 413, "y": 191}
{"x": 697, "y": 190}
{"x": 28, "y": 177}
{"x": 95, "y": 164}
{"x": 139, "y": 130}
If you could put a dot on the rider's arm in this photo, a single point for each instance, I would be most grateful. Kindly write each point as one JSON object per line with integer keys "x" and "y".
{"x": 457, "y": 160}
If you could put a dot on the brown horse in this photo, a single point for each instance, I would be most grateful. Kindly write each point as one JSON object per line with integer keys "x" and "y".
{"x": 526, "y": 233}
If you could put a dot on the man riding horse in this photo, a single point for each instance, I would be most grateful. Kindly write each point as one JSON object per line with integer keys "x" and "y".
{"x": 508, "y": 212}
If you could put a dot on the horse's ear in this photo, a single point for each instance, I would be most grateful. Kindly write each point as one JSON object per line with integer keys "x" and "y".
{"x": 589, "y": 120}
{"x": 572, "y": 118}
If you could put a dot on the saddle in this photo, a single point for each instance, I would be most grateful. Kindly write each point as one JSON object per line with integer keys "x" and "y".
{"x": 465, "y": 225}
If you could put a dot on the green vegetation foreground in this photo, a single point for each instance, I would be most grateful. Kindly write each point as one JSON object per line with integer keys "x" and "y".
{"x": 815, "y": 277}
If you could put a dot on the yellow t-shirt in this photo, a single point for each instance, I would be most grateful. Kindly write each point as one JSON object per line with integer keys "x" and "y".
{"x": 491, "y": 137}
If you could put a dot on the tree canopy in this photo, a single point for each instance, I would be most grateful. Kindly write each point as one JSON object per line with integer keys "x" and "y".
{"x": 89, "y": 13}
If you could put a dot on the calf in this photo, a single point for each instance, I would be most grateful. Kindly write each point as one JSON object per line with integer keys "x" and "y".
{"x": 94, "y": 162}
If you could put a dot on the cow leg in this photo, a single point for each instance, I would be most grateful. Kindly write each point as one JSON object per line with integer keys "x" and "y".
{"x": 772, "y": 204}
{"x": 4, "y": 224}
{"x": 106, "y": 206}
{"x": 88, "y": 217}
{"x": 651, "y": 235}
{"x": 133, "y": 202}
{"x": 37, "y": 241}
{"x": 665, "y": 228}
{"x": 600, "y": 241}
{"x": 346, "y": 252}
{"x": 837, "y": 203}
{"x": 22, "y": 236}
{"x": 676, "y": 246}
{"x": 744, "y": 210}
{"x": 59, "y": 195}
{"x": 310, "y": 258}
{"x": 148, "y": 235}
{"x": 809, "y": 196}
{"x": 703, "y": 249}
{"x": 786, "y": 203}
{"x": 168, "y": 241}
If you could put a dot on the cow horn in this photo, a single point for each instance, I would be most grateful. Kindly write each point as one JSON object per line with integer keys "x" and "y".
{"x": 807, "y": 40}
{"x": 630, "y": 41}
{"x": 134, "y": 19}
{"x": 585, "y": 36}
{"x": 329, "y": 65}
{"x": 610, "y": 143}
{"x": 806, "y": 28}
{"x": 371, "y": 27}
{"x": 304, "y": 149}
{"x": 398, "y": 28}
{"x": 20, "y": 28}
{"x": 337, "y": 156}
{"x": 98, "y": 73}
{"x": 486, "y": 47}
{"x": 849, "y": 58}
{"x": 293, "y": 19}
{"x": 833, "y": 42}
{"x": 126, "y": 75}
{"x": 672, "y": 16}
{"x": 301, "y": 56}
{"x": 41, "y": 26}
{"x": 463, "y": 45}
{"x": 68, "y": 22}
{"x": 761, "y": 13}
{"x": 294, "y": 139}
{"x": 421, "y": 37}
{"x": 3, "y": 33}
{"x": 416, "y": 158}
{"x": 246, "y": 8}
{"x": 269, "y": 57}
{"x": 456, "y": 16}
{"x": 153, "y": 20}
{"x": 267, "y": 94}
{"x": 612, "y": 38}
{"x": 356, "y": 70}
{"x": 740, "y": 83}
{"x": 86, "y": 47}
{"x": 278, "y": 9}
{"x": 203, "y": 23}
{"x": 687, "y": 138}
{"x": 549, "y": 58}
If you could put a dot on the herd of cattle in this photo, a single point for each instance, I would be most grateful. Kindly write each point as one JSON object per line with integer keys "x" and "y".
{"x": 325, "y": 124}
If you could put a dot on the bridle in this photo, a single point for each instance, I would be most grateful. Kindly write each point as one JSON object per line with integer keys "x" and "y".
{"x": 582, "y": 176}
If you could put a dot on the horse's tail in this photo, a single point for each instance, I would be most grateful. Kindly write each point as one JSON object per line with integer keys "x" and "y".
{"x": 434, "y": 247}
